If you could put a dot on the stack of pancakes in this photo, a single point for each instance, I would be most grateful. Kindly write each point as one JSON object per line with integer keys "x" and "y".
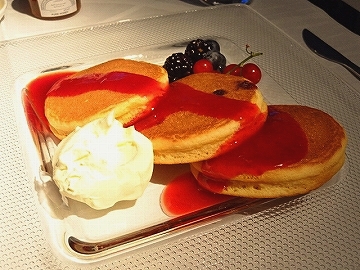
{"x": 278, "y": 162}
{"x": 206, "y": 120}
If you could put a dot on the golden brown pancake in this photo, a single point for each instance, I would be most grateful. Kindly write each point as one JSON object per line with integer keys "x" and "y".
{"x": 297, "y": 150}
{"x": 127, "y": 87}
{"x": 202, "y": 116}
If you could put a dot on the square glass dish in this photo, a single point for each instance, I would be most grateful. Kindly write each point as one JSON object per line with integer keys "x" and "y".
{"x": 81, "y": 233}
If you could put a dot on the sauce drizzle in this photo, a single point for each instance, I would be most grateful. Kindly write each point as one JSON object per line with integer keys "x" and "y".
{"x": 279, "y": 143}
{"x": 35, "y": 92}
{"x": 182, "y": 97}
{"x": 123, "y": 82}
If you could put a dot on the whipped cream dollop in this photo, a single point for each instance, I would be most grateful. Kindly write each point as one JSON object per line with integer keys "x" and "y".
{"x": 102, "y": 163}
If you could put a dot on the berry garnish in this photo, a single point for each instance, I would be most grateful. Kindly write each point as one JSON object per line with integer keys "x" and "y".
{"x": 178, "y": 65}
{"x": 196, "y": 49}
{"x": 205, "y": 56}
{"x": 217, "y": 59}
{"x": 249, "y": 71}
{"x": 232, "y": 69}
{"x": 213, "y": 45}
{"x": 203, "y": 65}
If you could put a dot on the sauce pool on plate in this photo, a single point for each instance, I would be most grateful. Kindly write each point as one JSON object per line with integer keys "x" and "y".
{"x": 184, "y": 195}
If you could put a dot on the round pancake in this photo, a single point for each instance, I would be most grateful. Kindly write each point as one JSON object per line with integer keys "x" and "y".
{"x": 127, "y": 87}
{"x": 202, "y": 116}
{"x": 264, "y": 167}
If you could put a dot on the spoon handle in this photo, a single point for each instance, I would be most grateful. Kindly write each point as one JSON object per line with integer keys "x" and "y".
{"x": 220, "y": 2}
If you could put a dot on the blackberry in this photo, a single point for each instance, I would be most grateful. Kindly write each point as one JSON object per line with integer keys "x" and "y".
{"x": 196, "y": 49}
{"x": 178, "y": 65}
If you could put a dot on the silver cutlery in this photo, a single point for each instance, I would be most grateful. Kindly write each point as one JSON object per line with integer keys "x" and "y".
{"x": 220, "y": 2}
{"x": 324, "y": 50}
{"x": 341, "y": 12}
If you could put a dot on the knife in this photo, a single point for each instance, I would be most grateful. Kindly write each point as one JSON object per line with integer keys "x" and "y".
{"x": 324, "y": 50}
{"x": 341, "y": 12}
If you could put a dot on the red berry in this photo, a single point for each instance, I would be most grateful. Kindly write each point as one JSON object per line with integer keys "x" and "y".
{"x": 203, "y": 65}
{"x": 232, "y": 69}
{"x": 251, "y": 72}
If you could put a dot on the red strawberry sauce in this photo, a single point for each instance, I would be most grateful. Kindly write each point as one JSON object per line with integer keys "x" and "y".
{"x": 184, "y": 195}
{"x": 281, "y": 142}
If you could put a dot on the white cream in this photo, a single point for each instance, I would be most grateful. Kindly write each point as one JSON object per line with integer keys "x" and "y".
{"x": 103, "y": 163}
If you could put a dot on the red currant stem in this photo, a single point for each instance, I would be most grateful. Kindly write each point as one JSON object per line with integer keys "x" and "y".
{"x": 245, "y": 60}
{"x": 248, "y": 58}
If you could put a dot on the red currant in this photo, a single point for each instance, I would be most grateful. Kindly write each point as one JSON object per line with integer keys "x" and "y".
{"x": 203, "y": 65}
{"x": 251, "y": 72}
{"x": 232, "y": 69}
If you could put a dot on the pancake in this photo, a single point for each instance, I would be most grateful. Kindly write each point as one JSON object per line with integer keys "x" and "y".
{"x": 202, "y": 116}
{"x": 297, "y": 150}
{"x": 127, "y": 87}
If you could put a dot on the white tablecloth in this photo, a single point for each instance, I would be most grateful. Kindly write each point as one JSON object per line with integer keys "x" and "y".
{"x": 291, "y": 16}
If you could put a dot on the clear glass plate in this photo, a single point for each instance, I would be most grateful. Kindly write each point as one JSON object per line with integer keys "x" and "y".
{"x": 82, "y": 234}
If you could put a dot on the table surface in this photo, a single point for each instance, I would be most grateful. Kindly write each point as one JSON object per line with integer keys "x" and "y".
{"x": 290, "y": 16}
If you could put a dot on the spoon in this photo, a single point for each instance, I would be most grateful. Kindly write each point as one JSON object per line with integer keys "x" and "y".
{"x": 220, "y": 2}
{"x": 324, "y": 50}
